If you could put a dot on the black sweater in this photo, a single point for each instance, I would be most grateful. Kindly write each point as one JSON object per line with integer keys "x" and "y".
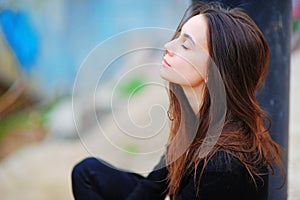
{"x": 224, "y": 178}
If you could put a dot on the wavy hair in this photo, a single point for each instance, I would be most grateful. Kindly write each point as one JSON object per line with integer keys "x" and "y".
{"x": 241, "y": 54}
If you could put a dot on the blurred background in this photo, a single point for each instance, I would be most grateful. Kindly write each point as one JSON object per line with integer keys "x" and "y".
{"x": 42, "y": 46}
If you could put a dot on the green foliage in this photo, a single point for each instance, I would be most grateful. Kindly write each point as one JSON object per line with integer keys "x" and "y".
{"x": 131, "y": 149}
{"x": 14, "y": 121}
{"x": 132, "y": 86}
{"x": 26, "y": 119}
{"x": 295, "y": 25}
{"x": 44, "y": 113}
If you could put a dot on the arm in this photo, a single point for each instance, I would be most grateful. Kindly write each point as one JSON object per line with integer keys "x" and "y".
{"x": 214, "y": 185}
{"x": 224, "y": 178}
{"x": 220, "y": 179}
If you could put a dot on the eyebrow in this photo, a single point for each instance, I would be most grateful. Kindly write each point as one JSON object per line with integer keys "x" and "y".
{"x": 189, "y": 37}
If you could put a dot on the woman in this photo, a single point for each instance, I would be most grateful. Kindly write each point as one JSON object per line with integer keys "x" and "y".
{"x": 215, "y": 150}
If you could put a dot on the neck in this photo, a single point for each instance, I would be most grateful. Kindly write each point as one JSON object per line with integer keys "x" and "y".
{"x": 194, "y": 96}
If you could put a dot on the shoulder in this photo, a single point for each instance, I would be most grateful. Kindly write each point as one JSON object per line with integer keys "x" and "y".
{"x": 222, "y": 161}
{"x": 218, "y": 168}
{"x": 228, "y": 163}
{"x": 224, "y": 176}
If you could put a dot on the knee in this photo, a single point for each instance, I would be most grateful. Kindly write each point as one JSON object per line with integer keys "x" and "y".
{"x": 83, "y": 167}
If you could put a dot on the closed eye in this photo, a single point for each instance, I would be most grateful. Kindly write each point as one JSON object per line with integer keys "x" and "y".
{"x": 183, "y": 46}
{"x": 186, "y": 44}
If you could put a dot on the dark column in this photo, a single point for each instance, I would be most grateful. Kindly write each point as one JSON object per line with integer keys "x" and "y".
{"x": 274, "y": 19}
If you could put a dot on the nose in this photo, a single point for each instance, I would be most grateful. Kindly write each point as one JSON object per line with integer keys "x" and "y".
{"x": 168, "y": 50}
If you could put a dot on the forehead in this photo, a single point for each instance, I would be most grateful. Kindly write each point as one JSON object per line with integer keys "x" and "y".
{"x": 197, "y": 28}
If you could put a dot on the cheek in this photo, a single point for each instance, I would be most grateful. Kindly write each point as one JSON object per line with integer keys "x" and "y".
{"x": 183, "y": 72}
{"x": 192, "y": 75}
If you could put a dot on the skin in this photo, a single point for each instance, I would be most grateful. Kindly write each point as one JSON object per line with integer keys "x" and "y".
{"x": 186, "y": 60}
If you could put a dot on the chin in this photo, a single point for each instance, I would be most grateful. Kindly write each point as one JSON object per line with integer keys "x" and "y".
{"x": 162, "y": 75}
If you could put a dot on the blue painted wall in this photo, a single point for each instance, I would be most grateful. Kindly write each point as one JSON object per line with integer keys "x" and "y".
{"x": 50, "y": 39}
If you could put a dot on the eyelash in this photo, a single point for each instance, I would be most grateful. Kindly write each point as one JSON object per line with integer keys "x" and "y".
{"x": 184, "y": 47}
{"x": 183, "y": 44}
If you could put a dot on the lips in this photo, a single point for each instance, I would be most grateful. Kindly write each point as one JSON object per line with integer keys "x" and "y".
{"x": 165, "y": 63}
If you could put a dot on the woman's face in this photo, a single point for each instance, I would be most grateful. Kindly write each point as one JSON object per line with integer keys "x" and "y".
{"x": 186, "y": 58}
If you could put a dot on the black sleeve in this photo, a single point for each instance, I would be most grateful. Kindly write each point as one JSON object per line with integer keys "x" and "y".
{"x": 223, "y": 178}
{"x": 213, "y": 186}
{"x": 152, "y": 187}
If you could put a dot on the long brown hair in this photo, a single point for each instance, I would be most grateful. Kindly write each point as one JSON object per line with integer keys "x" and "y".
{"x": 241, "y": 53}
